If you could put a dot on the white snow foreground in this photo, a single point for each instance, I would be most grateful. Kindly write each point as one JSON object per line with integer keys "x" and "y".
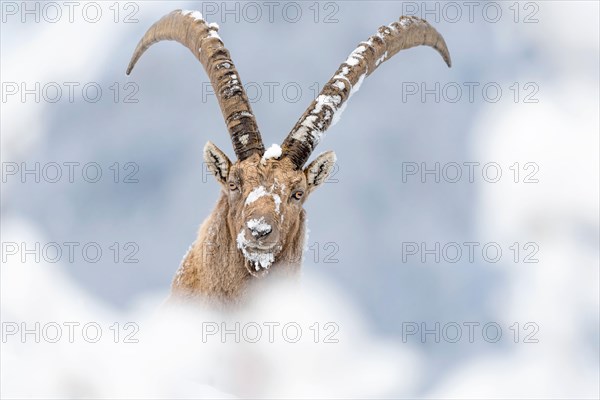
{"x": 267, "y": 351}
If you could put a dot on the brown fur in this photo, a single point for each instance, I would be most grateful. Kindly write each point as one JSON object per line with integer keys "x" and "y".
{"x": 215, "y": 268}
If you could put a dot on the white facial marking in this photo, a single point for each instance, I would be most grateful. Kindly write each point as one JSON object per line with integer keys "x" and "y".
{"x": 258, "y": 226}
{"x": 255, "y": 195}
{"x": 277, "y": 202}
{"x": 260, "y": 260}
{"x": 259, "y": 192}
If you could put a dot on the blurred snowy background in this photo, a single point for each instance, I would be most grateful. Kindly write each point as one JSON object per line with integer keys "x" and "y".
{"x": 360, "y": 270}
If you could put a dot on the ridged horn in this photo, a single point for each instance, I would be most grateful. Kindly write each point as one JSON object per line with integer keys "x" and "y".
{"x": 326, "y": 109}
{"x": 190, "y": 29}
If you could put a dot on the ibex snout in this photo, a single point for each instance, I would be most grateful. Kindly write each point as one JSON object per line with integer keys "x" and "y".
{"x": 259, "y": 228}
{"x": 259, "y": 241}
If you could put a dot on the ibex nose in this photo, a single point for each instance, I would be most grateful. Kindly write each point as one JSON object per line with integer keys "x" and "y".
{"x": 259, "y": 228}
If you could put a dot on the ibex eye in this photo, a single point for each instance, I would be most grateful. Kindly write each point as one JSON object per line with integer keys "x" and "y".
{"x": 298, "y": 194}
{"x": 232, "y": 186}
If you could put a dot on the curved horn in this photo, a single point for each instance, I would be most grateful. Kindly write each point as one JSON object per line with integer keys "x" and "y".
{"x": 189, "y": 29}
{"x": 326, "y": 109}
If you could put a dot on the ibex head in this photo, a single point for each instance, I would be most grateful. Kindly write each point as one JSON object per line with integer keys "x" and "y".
{"x": 266, "y": 190}
{"x": 265, "y": 195}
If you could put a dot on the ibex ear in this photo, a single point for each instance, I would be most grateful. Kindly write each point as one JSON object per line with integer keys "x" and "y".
{"x": 318, "y": 170}
{"x": 217, "y": 162}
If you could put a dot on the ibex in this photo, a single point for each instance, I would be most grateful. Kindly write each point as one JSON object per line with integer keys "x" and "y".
{"x": 258, "y": 224}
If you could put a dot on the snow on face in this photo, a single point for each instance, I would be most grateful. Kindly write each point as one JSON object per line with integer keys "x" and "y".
{"x": 277, "y": 200}
{"x": 259, "y": 192}
{"x": 256, "y": 194}
{"x": 272, "y": 152}
{"x": 258, "y": 225}
{"x": 259, "y": 260}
